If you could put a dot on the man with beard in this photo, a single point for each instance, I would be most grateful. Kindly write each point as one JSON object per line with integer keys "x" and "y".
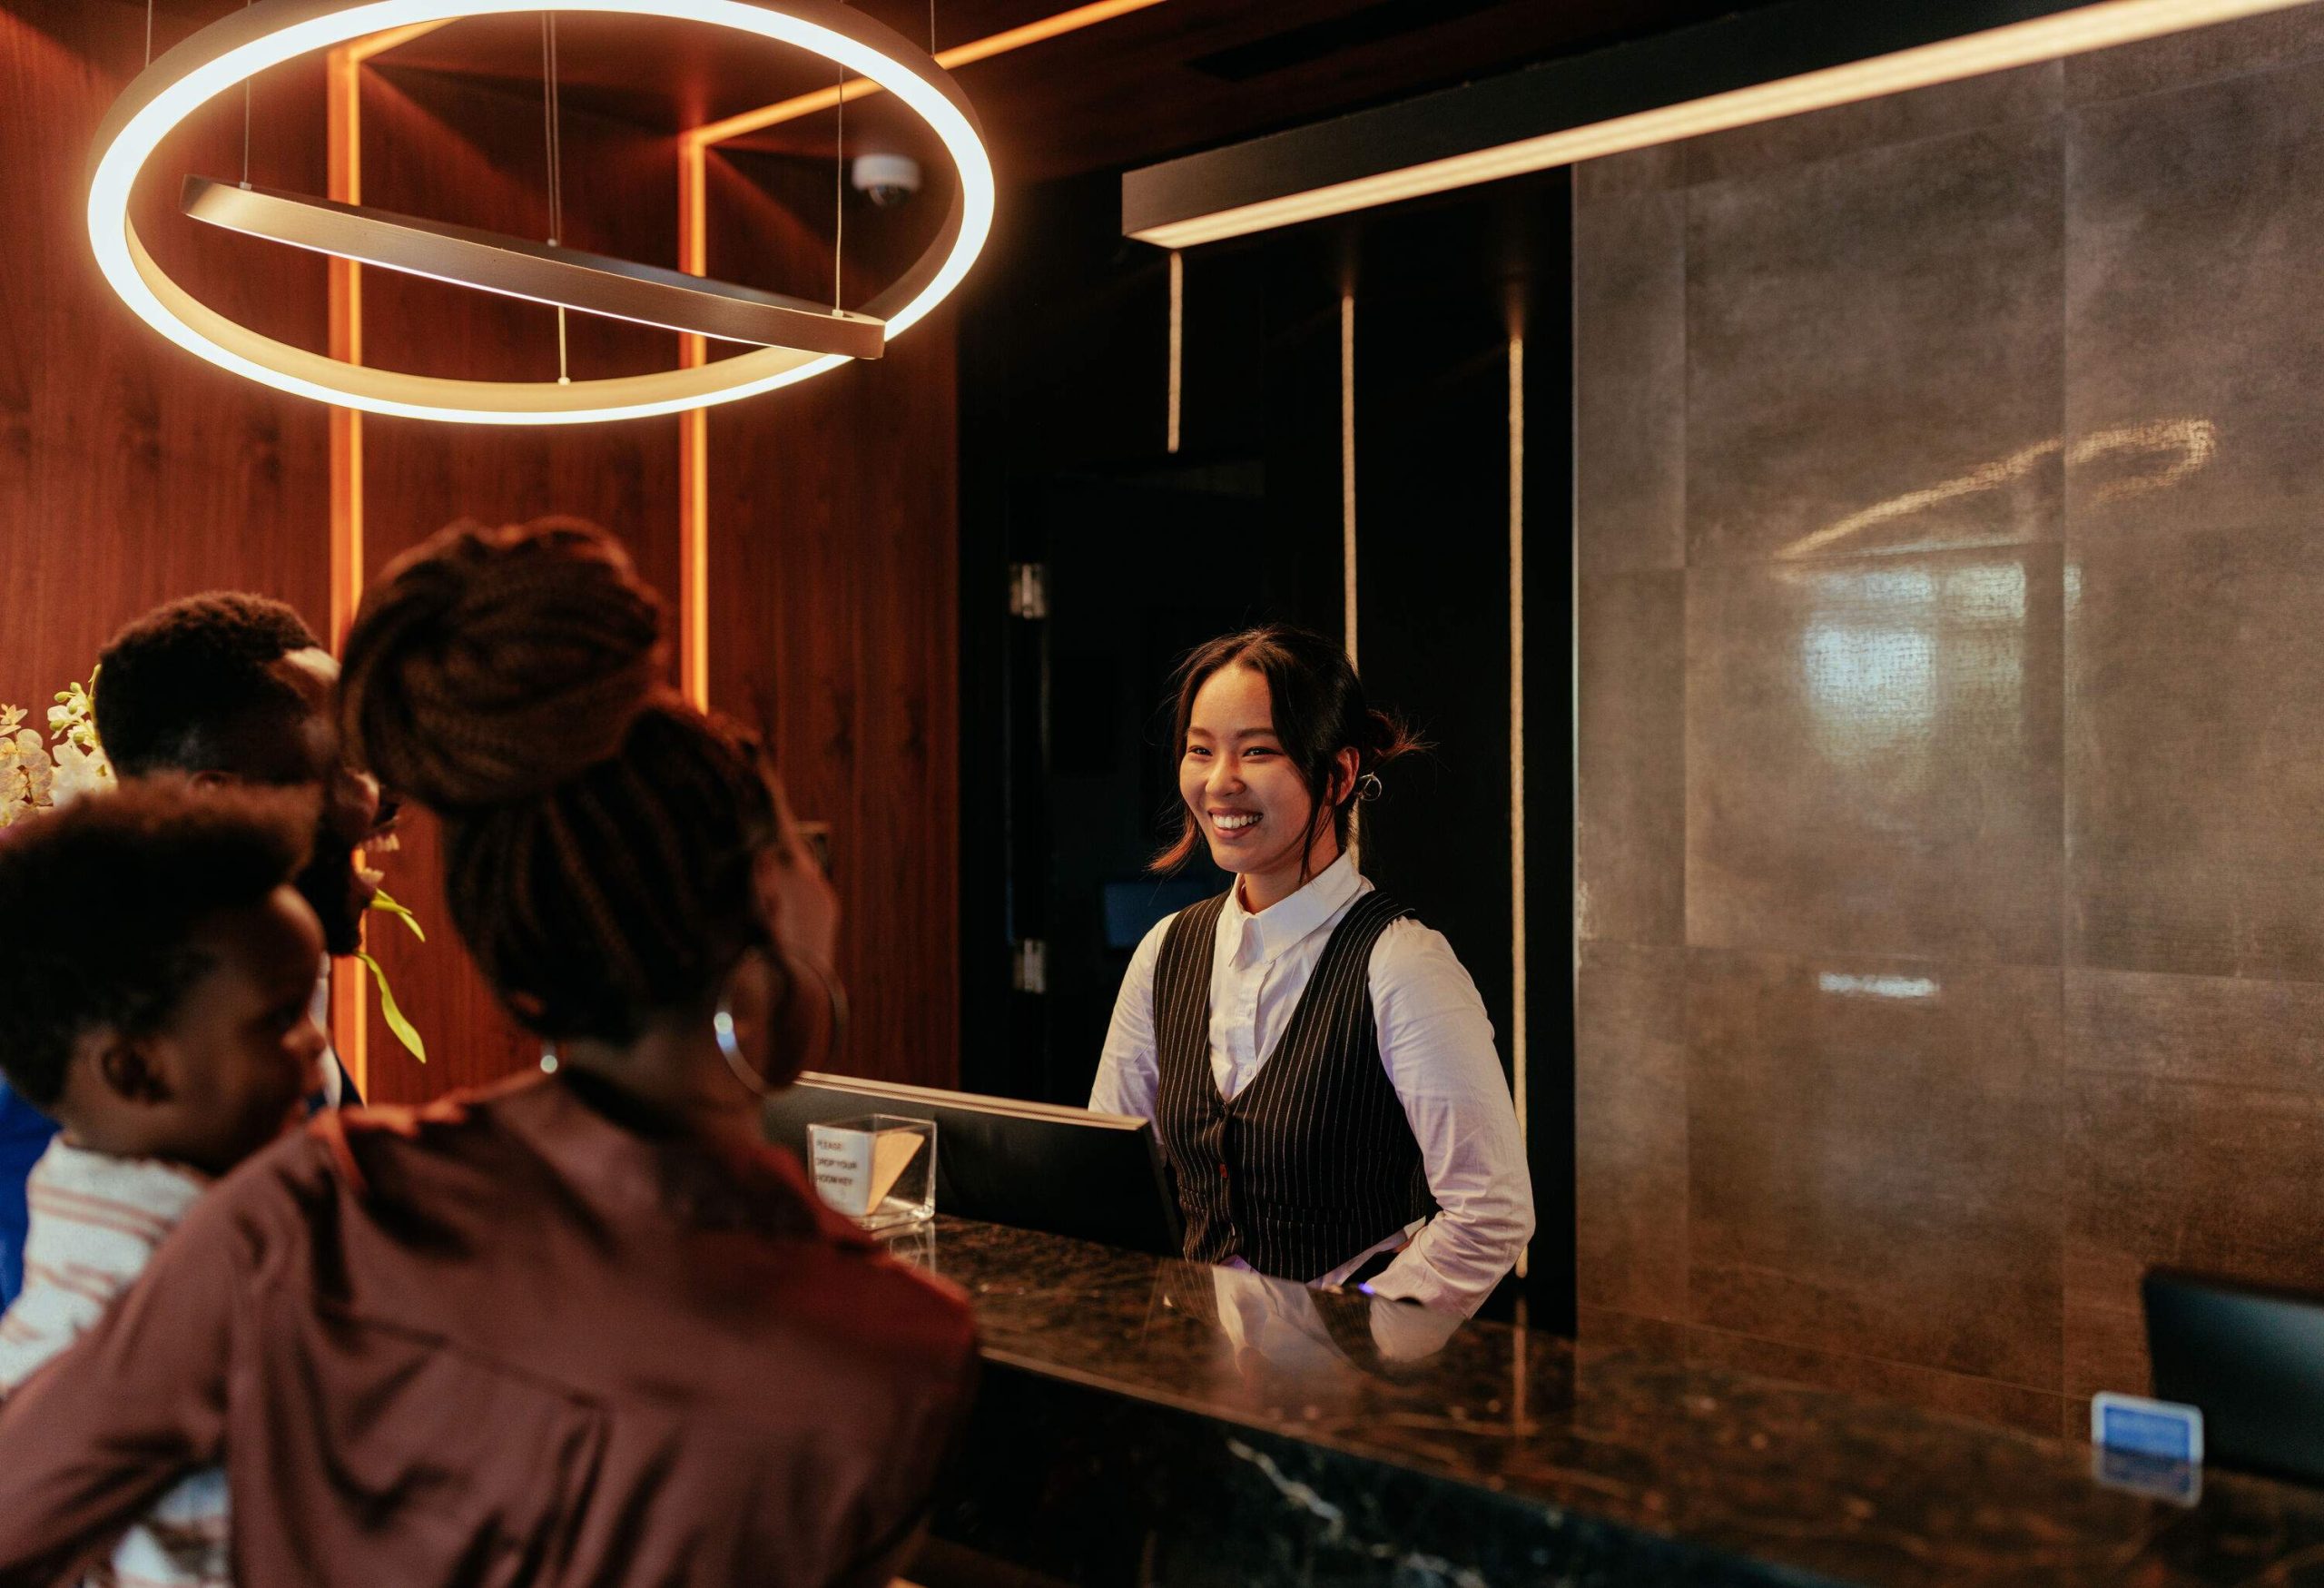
{"x": 225, "y": 687}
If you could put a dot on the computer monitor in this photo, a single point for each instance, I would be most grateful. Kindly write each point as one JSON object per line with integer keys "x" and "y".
{"x": 2252, "y": 1358}
{"x": 1034, "y": 1166}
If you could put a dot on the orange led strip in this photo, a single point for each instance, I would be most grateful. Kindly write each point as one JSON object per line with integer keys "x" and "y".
{"x": 351, "y": 1035}
{"x": 379, "y": 43}
{"x": 983, "y": 49}
{"x": 694, "y": 441}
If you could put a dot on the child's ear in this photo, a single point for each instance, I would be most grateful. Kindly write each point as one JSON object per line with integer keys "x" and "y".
{"x": 128, "y": 1067}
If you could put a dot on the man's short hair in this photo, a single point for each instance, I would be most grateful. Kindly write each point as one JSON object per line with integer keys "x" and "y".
{"x": 99, "y": 903}
{"x": 175, "y": 686}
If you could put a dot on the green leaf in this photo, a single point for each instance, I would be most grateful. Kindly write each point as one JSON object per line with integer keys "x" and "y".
{"x": 406, "y": 1033}
{"x": 379, "y": 901}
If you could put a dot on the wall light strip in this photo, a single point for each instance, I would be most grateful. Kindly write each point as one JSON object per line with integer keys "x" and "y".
{"x": 2018, "y": 43}
{"x": 1178, "y": 338}
{"x": 694, "y": 441}
{"x": 343, "y": 162}
{"x": 1347, "y": 514}
{"x": 1517, "y": 1053}
{"x": 1347, "y": 467}
{"x": 350, "y": 1024}
{"x": 983, "y": 49}
{"x": 379, "y": 43}
{"x": 694, "y": 557}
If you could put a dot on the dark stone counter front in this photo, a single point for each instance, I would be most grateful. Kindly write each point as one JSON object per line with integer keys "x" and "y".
{"x": 1147, "y": 1421}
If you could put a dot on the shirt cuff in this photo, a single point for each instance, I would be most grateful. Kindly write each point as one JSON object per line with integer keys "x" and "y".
{"x": 1412, "y": 1278}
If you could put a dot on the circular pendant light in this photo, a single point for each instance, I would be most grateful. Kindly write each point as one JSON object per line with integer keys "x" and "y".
{"x": 249, "y": 41}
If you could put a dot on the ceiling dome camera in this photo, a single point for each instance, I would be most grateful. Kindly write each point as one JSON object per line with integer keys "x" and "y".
{"x": 887, "y": 179}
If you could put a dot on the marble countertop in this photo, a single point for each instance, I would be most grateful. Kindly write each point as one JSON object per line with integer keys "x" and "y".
{"x": 1808, "y": 1482}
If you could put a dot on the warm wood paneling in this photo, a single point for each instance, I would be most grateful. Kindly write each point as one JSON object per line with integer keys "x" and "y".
{"x": 434, "y": 146}
{"x": 131, "y": 472}
{"x": 834, "y": 609}
{"x": 832, "y": 531}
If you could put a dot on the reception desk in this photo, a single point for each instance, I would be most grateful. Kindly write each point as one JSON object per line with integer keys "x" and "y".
{"x": 1150, "y": 1421}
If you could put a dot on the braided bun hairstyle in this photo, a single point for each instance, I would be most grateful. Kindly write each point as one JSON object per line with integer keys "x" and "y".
{"x": 599, "y": 833}
{"x": 1319, "y": 710}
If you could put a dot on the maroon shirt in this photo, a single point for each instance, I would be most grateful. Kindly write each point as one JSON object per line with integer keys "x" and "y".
{"x": 519, "y": 1336}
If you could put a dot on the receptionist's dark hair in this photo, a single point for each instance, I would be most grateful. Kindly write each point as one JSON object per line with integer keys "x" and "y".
{"x": 1319, "y": 710}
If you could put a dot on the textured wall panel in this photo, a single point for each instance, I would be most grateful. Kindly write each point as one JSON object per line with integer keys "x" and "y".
{"x": 2003, "y": 980}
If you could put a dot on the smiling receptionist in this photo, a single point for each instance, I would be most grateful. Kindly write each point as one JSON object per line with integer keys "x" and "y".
{"x": 1316, "y": 1061}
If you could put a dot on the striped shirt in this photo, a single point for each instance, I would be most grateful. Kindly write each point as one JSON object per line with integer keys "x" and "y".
{"x": 1436, "y": 1042}
{"x": 97, "y": 1221}
{"x": 1314, "y": 1161}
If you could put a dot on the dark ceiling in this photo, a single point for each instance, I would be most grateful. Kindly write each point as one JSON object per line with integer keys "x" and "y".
{"x": 1180, "y": 76}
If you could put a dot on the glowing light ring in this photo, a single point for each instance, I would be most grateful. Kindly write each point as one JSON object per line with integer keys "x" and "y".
{"x": 246, "y": 42}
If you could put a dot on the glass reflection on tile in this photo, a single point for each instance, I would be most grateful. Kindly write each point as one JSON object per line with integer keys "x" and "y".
{"x": 2163, "y": 453}
{"x": 1870, "y": 665}
{"x": 1295, "y": 1330}
{"x": 1986, "y": 476}
{"x": 2137, "y": 458}
{"x": 1869, "y": 656}
{"x": 1849, "y": 986}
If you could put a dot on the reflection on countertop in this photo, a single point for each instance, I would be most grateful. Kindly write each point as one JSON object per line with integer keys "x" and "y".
{"x": 1153, "y": 1420}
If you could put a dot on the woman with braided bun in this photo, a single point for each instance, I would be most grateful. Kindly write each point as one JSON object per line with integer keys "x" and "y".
{"x": 584, "y": 1327}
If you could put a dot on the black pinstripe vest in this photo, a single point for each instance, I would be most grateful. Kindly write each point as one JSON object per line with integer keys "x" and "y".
{"x": 1312, "y": 1161}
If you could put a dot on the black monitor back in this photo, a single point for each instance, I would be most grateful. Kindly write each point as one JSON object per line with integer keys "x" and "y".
{"x": 2252, "y": 1358}
{"x": 1032, "y": 1166}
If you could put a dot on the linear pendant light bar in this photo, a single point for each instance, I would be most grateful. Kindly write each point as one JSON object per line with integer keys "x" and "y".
{"x": 1755, "y": 67}
{"x": 515, "y": 267}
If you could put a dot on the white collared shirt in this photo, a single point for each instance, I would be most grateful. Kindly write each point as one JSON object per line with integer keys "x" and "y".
{"x": 1435, "y": 1041}
{"x": 1281, "y": 1324}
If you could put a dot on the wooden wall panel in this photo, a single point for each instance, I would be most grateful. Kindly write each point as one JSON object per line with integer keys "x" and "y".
{"x": 130, "y": 472}
{"x": 436, "y": 146}
{"x": 1949, "y": 962}
{"x": 833, "y": 513}
{"x": 832, "y": 520}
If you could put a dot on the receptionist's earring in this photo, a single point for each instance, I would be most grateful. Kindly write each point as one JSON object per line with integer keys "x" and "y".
{"x": 1369, "y": 787}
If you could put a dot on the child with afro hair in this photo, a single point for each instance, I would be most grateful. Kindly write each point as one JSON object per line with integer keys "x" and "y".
{"x": 157, "y": 968}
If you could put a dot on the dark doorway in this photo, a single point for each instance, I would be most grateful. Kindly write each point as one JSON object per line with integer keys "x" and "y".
{"x": 1095, "y": 558}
